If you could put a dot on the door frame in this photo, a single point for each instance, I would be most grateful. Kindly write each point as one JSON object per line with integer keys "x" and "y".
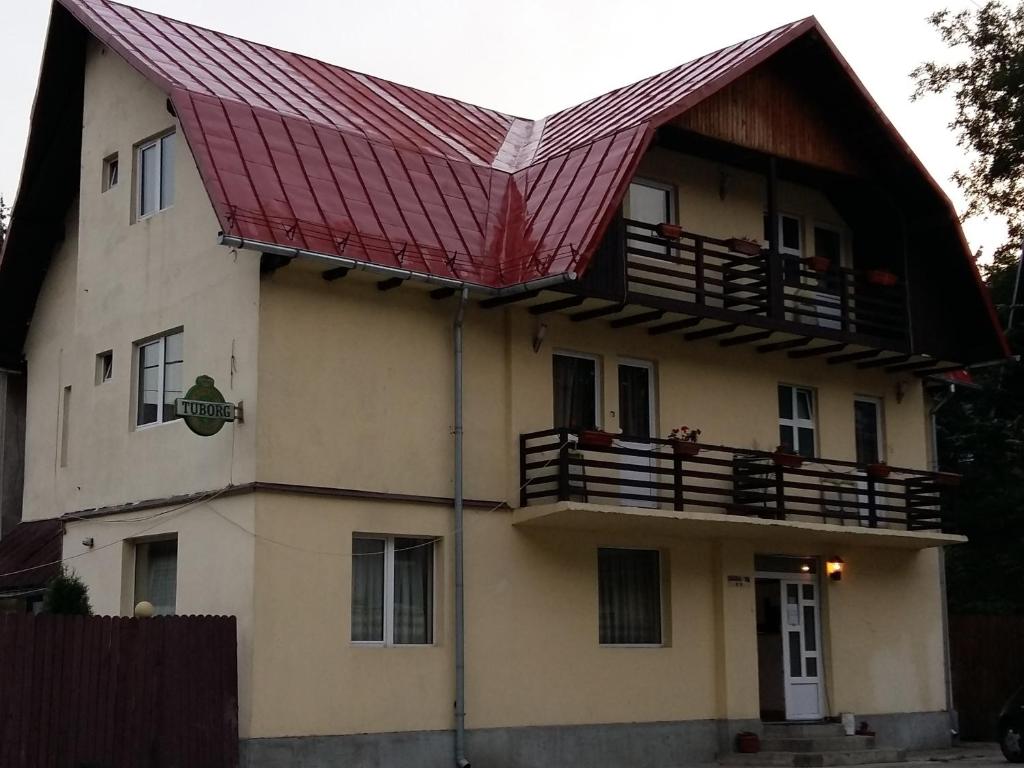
{"x": 652, "y": 416}
{"x": 812, "y": 577}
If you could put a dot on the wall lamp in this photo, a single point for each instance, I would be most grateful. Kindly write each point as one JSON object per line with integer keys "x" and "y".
{"x": 834, "y": 568}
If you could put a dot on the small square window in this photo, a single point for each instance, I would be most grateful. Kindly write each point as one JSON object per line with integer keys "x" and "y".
{"x": 110, "y": 172}
{"x": 629, "y": 596}
{"x": 104, "y": 366}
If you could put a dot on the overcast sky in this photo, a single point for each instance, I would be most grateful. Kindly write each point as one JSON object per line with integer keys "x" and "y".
{"x": 533, "y": 57}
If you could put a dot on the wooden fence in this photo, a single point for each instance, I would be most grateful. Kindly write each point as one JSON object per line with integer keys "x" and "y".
{"x": 987, "y": 655}
{"x": 103, "y": 692}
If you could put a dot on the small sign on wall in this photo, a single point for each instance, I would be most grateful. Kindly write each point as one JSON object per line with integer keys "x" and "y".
{"x": 204, "y": 408}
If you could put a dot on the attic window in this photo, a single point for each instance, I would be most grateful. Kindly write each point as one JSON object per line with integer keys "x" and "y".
{"x": 110, "y": 172}
{"x": 155, "y": 168}
{"x": 104, "y": 366}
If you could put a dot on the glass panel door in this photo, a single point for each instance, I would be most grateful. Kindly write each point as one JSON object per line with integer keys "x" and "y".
{"x": 636, "y": 420}
{"x": 802, "y": 657}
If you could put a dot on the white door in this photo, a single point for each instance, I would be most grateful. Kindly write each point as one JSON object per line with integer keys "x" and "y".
{"x": 801, "y": 648}
{"x": 636, "y": 421}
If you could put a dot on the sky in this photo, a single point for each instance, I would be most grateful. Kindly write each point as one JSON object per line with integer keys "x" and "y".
{"x": 533, "y": 57}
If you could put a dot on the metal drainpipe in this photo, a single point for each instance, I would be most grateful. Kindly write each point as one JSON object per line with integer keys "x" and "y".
{"x": 460, "y": 612}
{"x": 954, "y": 718}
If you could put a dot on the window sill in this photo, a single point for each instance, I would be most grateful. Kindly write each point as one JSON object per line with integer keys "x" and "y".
{"x": 154, "y": 425}
{"x": 364, "y": 644}
{"x": 633, "y": 645}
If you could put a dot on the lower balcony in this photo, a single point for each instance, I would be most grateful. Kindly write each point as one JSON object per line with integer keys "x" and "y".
{"x": 565, "y": 474}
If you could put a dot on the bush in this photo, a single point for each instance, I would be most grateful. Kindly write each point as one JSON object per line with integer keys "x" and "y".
{"x": 66, "y": 595}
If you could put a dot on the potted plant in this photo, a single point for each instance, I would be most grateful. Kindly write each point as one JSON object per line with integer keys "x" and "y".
{"x": 882, "y": 277}
{"x": 684, "y": 441}
{"x": 748, "y": 742}
{"x": 595, "y": 438}
{"x": 879, "y": 470}
{"x": 744, "y": 245}
{"x": 783, "y": 457}
{"x": 818, "y": 263}
{"x": 669, "y": 231}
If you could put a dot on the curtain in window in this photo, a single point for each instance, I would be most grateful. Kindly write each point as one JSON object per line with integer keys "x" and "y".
{"x": 414, "y": 591}
{"x": 629, "y": 596}
{"x": 162, "y": 577}
{"x": 575, "y": 384}
{"x": 368, "y": 590}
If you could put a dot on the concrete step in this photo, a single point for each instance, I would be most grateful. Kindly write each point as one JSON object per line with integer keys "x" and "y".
{"x": 817, "y": 744}
{"x": 802, "y": 730}
{"x": 814, "y": 759}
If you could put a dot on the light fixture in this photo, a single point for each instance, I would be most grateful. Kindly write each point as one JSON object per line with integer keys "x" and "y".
{"x": 834, "y": 568}
{"x": 538, "y": 337}
{"x": 805, "y": 568}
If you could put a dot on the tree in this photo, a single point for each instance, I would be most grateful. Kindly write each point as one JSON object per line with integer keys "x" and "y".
{"x": 66, "y": 595}
{"x": 5, "y": 215}
{"x": 981, "y": 429}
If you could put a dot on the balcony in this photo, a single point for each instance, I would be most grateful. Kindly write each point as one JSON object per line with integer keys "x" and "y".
{"x": 654, "y": 477}
{"x": 738, "y": 281}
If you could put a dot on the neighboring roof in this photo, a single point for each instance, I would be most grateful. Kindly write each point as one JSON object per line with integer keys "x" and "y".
{"x": 306, "y": 155}
{"x": 30, "y": 555}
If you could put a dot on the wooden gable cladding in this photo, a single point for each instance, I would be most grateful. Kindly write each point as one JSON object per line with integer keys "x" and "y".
{"x": 773, "y": 111}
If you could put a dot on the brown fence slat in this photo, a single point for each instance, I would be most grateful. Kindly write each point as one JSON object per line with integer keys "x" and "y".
{"x": 118, "y": 692}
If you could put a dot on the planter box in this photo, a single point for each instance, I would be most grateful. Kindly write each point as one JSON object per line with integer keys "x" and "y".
{"x": 748, "y": 743}
{"x": 877, "y": 471}
{"x": 818, "y": 263}
{"x": 685, "y": 448}
{"x": 791, "y": 460}
{"x": 882, "y": 277}
{"x": 669, "y": 231}
{"x": 594, "y": 438}
{"x": 947, "y": 479}
{"x": 746, "y": 247}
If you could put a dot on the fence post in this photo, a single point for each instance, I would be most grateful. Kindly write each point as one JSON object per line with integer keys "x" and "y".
{"x": 780, "y": 492}
{"x": 872, "y": 504}
{"x": 563, "y": 464}
{"x": 844, "y": 299}
{"x": 522, "y": 471}
{"x": 677, "y": 480}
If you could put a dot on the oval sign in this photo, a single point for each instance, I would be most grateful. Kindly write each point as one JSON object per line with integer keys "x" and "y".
{"x": 204, "y": 409}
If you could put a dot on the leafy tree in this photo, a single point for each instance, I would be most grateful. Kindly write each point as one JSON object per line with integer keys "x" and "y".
{"x": 981, "y": 429}
{"x": 67, "y": 595}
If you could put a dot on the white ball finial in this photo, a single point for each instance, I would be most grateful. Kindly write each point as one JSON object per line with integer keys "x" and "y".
{"x": 144, "y": 610}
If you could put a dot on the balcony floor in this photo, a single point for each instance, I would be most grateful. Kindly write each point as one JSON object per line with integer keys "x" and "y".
{"x": 583, "y": 516}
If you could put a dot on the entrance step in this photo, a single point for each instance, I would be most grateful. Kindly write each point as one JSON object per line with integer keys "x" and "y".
{"x": 815, "y": 759}
{"x": 817, "y": 744}
{"x": 802, "y": 730}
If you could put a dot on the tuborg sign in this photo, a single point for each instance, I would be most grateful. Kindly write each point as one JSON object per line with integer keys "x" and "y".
{"x": 204, "y": 409}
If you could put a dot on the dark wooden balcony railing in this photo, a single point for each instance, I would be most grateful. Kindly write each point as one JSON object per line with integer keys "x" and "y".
{"x": 707, "y": 272}
{"x": 554, "y": 466}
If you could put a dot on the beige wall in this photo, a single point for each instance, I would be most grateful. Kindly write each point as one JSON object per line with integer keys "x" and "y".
{"x": 114, "y": 282}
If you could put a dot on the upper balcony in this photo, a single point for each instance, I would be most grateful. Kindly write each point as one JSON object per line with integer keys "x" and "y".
{"x": 564, "y": 471}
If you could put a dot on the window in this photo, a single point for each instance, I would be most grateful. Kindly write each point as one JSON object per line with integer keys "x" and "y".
{"x": 155, "y": 163}
{"x": 867, "y": 419}
{"x": 575, "y": 391}
{"x": 65, "y": 424}
{"x": 629, "y": 596}
{"x": 160, "y": 378}
{"x": 156, "y": 574}
{"x": 392, "y": 590}
{"x": 110, "y": 172}
{"x": 650, "y": 203}
{"x": 104, "y": 366}
{"x": 796, "y": 420}
{"x": 790, "y": 244}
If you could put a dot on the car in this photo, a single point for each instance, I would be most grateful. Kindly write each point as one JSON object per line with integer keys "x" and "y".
{"x": 1011, "y": 726}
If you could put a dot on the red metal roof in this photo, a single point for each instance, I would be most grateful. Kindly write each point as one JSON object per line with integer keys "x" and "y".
{"x": 30, "y": 554}
{"x": 308, "y": 155}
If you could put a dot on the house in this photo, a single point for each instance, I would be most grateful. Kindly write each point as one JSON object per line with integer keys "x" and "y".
{"x": 460, "y": 340}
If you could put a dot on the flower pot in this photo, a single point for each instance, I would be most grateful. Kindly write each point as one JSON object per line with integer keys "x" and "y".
{"x": 878, "y": 471}
{"x": 746, "y": 247}
{"x": 947, "y": 479}
{"x": 595, "y": 438}
{"x": 748, "y": 743}
{"x": 818, "y": 263}
{"x": 790, "y": 460}
{"x": 669, "y": 231}
{"x": 685, "y": 448}
{"x": 882, "y": 277}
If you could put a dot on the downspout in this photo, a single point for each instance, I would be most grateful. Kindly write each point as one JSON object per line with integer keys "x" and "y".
{"x": 460, "y": 612}
{"x": 954, "y": 718}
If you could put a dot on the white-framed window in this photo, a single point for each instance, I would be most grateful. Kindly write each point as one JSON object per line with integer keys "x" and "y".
{"x": 392, "y": 590}
{"x": 154, "y": 162}
{"x": 577, "y": 390}
{"x": 104, "y": 366}
{"x": 868, "y": 429}
{"x": 160, "y": 378}
{"x": 797, "y": 430}
{"x": 629, "y": 596}
{"x": 790, "y": 241}
{"x": 156, "y": 574}
{"x": 111, "y": 172}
